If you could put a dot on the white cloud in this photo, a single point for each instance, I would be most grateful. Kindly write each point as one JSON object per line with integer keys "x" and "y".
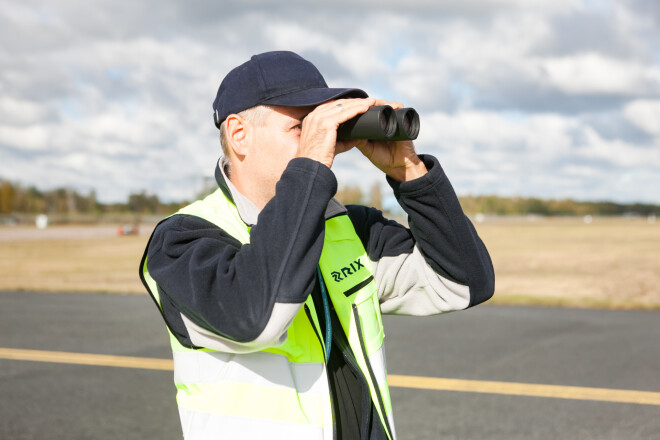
{"x": 592, "y": 73}
{"x": 33, "y": 138}
{"x": 644, "y": 114}
{"x": 516, "y": 96}
{"x": 18, "y": 112}
{"x": 546, "y": 155}
{"x": 421, "y": 80}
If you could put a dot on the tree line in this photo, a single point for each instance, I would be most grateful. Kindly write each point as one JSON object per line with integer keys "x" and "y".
{"x": 19, "y": 199}
{"x": 514, "y": 206}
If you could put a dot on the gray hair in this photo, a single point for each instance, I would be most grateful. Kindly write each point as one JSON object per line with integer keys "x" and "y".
{"x": 255, "y": 115}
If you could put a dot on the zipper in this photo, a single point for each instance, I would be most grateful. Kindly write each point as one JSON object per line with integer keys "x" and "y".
{"x": 371, "y": 372}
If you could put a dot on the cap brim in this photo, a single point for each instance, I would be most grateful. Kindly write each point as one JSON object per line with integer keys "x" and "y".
{"x": 316, "y": 96}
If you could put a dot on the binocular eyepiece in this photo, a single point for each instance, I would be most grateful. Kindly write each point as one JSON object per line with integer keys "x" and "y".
{"x": 381, "y": 123}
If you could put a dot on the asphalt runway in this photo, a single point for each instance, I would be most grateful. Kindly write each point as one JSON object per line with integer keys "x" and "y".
{"x": 494, "y": 351}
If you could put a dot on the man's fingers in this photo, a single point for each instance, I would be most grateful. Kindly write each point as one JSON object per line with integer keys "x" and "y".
{"x": 394, "y": 104}
{"x": 344, "y": 146}
{"x": 341, "y": 110}
{"x": 318, "y": 139}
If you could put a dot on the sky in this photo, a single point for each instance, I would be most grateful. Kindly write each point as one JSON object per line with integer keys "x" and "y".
{"x": 534, "y": 98}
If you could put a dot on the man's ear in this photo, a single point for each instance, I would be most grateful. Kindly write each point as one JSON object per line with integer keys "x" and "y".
{"x": 237, "y": 130}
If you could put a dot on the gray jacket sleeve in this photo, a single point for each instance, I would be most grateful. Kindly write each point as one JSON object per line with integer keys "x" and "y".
{"x": 439, "y": 263}
{"x": 218, "y": 293}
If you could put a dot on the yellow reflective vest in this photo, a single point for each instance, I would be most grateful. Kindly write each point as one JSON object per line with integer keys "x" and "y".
{"x": 283, "y": 391}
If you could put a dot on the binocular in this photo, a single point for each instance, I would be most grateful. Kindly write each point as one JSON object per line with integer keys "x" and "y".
{"x": 381, "y": 123}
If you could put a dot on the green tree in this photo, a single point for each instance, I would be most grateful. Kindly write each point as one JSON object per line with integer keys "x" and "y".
{"x": 6, "y": 197}
{"x": 143, "y": 203}
{"x": 376, "y": 196}
{"x": 350, "y": 195}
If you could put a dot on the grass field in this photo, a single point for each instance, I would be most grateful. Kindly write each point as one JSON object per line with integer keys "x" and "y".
{"x": 70, "y": 259}
{"x": 613, "y": 263}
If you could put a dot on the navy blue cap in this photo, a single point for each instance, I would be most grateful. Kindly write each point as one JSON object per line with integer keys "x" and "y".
{"x": 274, "y": 78}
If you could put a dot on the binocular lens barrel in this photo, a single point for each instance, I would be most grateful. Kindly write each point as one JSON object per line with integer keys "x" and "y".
{"x": 377, "y": 123}
{"x": 381, "y": 123}
{"x": 407, "y": 124}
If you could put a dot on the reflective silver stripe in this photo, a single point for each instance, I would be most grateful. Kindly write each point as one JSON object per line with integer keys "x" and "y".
{"x": 379, "y": 367}
{"x": 261, "y": 368}
{"x": 390, "y": 420}
{"x": 265, "y": 388}
{"x": 207, "y": 426}
{"x": 273, "y": 335}
{"x": 377, "y": 361}
{"x": 407, "y": 285}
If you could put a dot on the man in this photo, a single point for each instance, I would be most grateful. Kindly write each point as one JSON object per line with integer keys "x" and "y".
{"x": 272, "y": 290}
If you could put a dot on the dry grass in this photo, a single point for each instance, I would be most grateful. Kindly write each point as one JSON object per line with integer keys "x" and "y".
{"x": 612, "y": 263}
{"x": 71, "y": 260}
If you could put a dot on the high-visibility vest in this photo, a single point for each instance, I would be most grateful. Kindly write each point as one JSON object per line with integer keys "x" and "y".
{"x": 283, "y": 389}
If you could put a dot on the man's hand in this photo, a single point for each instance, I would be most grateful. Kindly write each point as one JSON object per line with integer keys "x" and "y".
{"x": 318, "y": 139}
{"x": 397, "y": 159}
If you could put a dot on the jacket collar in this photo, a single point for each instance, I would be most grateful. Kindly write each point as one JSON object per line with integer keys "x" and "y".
{"x": 247, "y": 210}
